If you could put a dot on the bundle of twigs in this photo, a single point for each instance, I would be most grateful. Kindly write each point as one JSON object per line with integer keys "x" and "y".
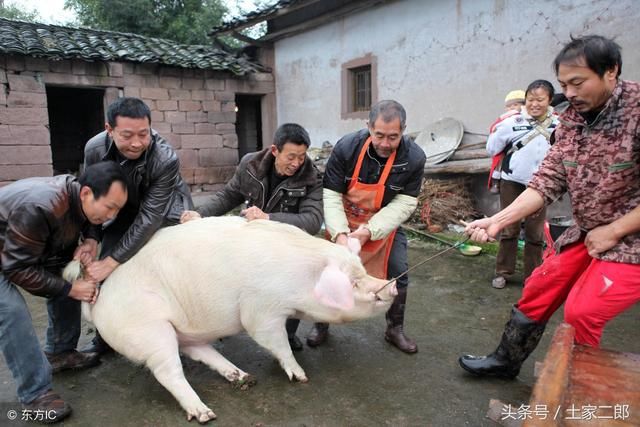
{"x": 442, "y": 202}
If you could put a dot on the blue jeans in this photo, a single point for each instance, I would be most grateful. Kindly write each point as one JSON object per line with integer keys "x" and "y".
{"x": 19, "y": 342}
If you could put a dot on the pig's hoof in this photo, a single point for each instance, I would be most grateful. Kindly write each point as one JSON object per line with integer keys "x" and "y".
{"x": 302, "y": 379}
{"x": 235, "y": 375}
{"x": 297, "y": 374}
{"x": 244, "y": 383}
{"x": 201, "y": 414}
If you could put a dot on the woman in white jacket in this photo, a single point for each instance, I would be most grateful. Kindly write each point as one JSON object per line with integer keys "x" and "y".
{"x": 524, "y": 138}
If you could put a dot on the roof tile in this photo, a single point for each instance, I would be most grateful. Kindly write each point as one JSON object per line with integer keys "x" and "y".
{"x": 257, "y": 16}
{"x": 57, "y": 43}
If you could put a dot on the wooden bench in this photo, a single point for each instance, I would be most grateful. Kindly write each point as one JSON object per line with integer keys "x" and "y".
{"x": 584, "y": 386}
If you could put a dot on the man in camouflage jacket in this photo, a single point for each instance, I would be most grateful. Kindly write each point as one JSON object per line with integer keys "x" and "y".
{"x": 596, "y": 159}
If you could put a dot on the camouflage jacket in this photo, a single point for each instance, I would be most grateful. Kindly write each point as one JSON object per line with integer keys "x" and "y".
{"x": 598, "y": 164}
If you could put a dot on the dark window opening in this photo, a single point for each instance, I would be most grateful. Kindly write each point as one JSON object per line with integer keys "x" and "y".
{"x": 361, "y": 84}
{"x": 359, "y": 87}
{"x": 75, "y": 115}
{"x": 249, "y": 123}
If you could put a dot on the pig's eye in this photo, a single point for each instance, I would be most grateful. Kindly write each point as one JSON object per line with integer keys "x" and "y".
{"x": 355, "y": 283}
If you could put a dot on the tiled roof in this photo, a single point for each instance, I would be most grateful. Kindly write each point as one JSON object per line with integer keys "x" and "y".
{"x": 57, "y": 42}
{"x": 255, "y": 16}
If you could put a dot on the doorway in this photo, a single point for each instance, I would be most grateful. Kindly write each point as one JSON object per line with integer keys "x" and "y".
{"x": 248, "y": 124}
{"x": 75, "y": 115}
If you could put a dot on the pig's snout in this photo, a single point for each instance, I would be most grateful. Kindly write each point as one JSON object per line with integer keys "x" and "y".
{"x": 387, "y": 292}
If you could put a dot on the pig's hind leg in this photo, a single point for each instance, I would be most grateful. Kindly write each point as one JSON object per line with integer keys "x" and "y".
{"x": 157, "y": 346}
{"x": 269, "y": 331}
{"x": 212, "y": 358}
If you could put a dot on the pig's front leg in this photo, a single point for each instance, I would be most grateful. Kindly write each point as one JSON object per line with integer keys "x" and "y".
{"x": 270, "y": 333}
{"x": 212, "y": 358}
{"x": 158, "y": 345}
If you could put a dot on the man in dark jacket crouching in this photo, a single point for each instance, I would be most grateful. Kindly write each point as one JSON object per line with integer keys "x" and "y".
{"x": 279, "y": 183}
{"x": 41, "y": 220}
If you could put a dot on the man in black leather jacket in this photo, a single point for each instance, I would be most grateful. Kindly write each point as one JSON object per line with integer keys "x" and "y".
{"x": 157, "y": 193}
{"x": 41, "y": 220}
{"x": 279, "y": 183}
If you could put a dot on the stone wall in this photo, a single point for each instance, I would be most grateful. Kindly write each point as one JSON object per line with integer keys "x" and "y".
{"x": 193, "y": 109}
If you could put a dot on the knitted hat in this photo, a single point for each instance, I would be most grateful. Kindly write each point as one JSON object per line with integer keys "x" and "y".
{"x": 514, "y": 96}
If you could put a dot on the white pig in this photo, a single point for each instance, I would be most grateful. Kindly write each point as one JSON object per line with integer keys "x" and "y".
{"x": 214, "y": 277}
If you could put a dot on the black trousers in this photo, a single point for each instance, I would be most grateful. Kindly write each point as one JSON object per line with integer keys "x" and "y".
{"x": 398, "y": 259}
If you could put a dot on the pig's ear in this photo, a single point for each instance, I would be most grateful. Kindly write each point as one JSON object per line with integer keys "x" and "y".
{"x": 354, "y": 245}
{"x": 334, "y": 289}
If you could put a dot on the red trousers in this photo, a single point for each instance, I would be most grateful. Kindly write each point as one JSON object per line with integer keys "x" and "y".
{"x": 593, "y": 291}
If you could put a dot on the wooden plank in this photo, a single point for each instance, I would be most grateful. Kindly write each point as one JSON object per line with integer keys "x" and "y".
{"x": 473, "y": 146}
{"x": 585, "y": 392}
{"x": 602, "y": 389}
{"x": 469, "y": 154}
{"x": 598, "y": 384}
{"x": 585, "y": 386}
{"x": 604, "y": 379}
{"x": 473, "y": 139}
{"x": 551, "y": 385}
{"x": 460, "y": 166}
{"x": 626, "y": 361}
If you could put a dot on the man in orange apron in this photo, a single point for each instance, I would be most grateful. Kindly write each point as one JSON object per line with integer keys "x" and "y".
{"x": 371, "y": 184}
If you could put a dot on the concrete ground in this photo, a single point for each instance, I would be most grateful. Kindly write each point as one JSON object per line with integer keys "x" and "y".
{"x": 356, "y": 379}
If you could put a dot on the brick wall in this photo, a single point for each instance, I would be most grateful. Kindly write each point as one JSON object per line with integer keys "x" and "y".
{"x": 24, "y": 136}
{"x": 193, "y": 109}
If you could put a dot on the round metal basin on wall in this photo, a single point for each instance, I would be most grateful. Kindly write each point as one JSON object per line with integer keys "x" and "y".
{"x": 440, "y": 139}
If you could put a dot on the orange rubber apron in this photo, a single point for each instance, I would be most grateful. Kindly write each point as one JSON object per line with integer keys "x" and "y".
{"x": 361, "y": 202}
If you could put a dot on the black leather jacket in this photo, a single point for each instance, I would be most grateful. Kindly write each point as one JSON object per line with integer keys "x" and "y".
{"x": 157, "y": 194}
{"x": 405, "y": 176}
{"x": 41, "y": 220}
{"x": 297, "y": 200}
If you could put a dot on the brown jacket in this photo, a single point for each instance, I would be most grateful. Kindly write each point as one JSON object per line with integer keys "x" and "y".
{"x": 41, "y": 220}
{"x": 296, "y": 201}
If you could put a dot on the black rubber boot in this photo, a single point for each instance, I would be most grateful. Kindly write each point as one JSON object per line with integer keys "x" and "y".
{"x": 318, "y": 334}
{"x": 395, "y": 321}
{"x": 97, "y": 345}
{"x": 521, "y": 336}
{"x": 294, "y": 342}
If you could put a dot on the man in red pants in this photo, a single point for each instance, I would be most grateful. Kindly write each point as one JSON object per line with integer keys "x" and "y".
{"x": 596, "y": 158}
